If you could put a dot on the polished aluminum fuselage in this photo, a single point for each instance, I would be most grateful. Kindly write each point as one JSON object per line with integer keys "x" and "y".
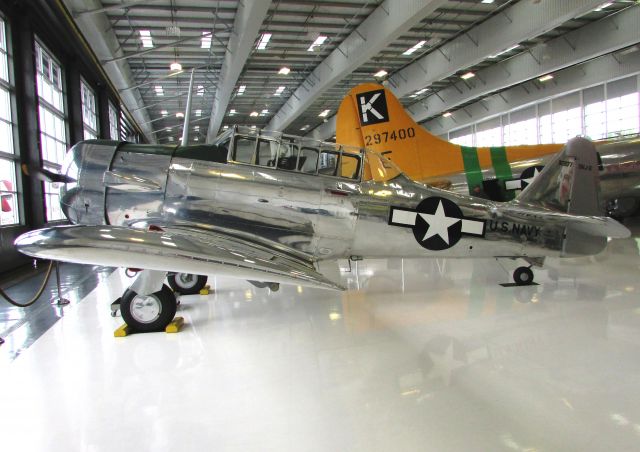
{"x": 319, "y": 217}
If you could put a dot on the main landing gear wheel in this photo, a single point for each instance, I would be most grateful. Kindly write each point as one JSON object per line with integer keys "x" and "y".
{"x": 148, "y": 313}
{"x": 523, "y": 276}
{"x": 186, "y": 283}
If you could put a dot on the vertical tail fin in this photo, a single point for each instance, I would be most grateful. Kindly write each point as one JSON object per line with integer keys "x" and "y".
{"x": 570, "y": 183}
{"x": 371, "y": 116}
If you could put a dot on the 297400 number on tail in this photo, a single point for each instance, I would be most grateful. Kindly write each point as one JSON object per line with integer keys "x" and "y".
{"x": 384, "y": 137}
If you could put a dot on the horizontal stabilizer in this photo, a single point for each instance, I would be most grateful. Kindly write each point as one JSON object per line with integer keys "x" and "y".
{"x": 187, "y": 251}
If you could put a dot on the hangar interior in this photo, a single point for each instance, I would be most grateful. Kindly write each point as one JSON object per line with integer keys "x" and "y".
{"x": 428, "y": 354}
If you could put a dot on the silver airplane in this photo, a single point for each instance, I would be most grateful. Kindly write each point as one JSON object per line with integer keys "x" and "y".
{"x": 273, "y": 208}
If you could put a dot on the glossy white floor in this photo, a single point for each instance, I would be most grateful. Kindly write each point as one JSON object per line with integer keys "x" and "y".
{"x": 429, "y": 355}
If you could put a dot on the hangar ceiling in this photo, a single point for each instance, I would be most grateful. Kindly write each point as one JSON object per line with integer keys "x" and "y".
{"x": 236, "y": 75}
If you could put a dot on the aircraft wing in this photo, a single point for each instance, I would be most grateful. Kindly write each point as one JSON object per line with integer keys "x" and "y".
{"x": 596, "y": 226}
{"x": 178, "y": 250}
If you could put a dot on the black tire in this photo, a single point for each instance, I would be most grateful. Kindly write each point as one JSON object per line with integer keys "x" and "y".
{"x": 151, "y": 313}
{"x": 523, "y": 276}
{"x": 186, "y": 283}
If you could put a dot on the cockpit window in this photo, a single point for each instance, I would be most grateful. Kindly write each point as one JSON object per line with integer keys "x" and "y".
{"x": 328, "y": 163}
{"x": 308, "y": 160}
{"x": 287, "y": 156}
{"x": 267, "y": 152}
{"x": 349, "y": 166}
{"x": 244, "y": 149}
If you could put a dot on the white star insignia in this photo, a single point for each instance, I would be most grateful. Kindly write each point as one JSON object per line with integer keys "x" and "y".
{"x": 439, "y": 223}
{"x": 444, "y": 365}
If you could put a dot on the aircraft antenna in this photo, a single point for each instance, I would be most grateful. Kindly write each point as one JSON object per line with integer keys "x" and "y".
{"x": 187, "y": 113}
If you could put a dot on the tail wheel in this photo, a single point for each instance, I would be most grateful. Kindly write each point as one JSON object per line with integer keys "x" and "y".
{"x": 147, "y": 313}
{"x": 523, "y": 276}
{"x": 186, "y": 283}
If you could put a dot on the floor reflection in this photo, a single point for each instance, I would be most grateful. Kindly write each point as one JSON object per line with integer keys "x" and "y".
{"x": 428, "y": 354}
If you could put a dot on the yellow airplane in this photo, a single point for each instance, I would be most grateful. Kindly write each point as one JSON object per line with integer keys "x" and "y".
{"x": 371, "y": 116}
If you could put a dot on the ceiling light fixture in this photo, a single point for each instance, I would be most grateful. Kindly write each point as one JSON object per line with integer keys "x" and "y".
{"x": 545, "y": 78}
{"x": 284, "y": 70}
{"x": 241, "y": 89}
{"x": 179, "y": 115}
{"x": 264, "y": 40}
{"x": 380, "y": 73}
{"x": 200, "y": 90}
{"x": 175, "y": 67}
{"x": 145, "y": 37}
{"x": 418, "y": 46}
{"x": 159, "y": 91}
{"x": 467, "y": 76}
{"x": 324, "y": 113}
{"x": 206, "y": 39}
{"x": 164, "y": 112}
{"x": 253, "y": 114}
{"x": 505, "y": 51}
{"x": 487, "y": 1}
{"x": 305, "y": 127}
{"x": 279, "y": 90}
{"x": 317, "y": 43}
{"x": 198, "y": 112}
{"x": 446, "y": 115}
{"x": 232, "y": 112}
{"x": 264, "y": 112}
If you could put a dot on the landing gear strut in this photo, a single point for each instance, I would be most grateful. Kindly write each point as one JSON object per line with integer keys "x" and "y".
{"x": 148, "y": 305}
{"x": 523, "y": 276}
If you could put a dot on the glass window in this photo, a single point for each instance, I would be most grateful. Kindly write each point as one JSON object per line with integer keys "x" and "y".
{"x": 622, "y": 115}
{"x": 308, "y": 160}
{"x": 595, "y": 120}
{"x": 244, "y": 149}
{"x": 464, "y": 140}
{"x": 8, "y": 193}
{"x": 288, "y": 156}
{"x": 52, "y": 124}
{"x": 89, "y": 112}
{"x": 566, "y": 125}
{"x": 489, "y": 137}
{"x": 349, "y": 166}
{"x": 114, "y": 123}
{"x": 267, "y": 152}
{"x": 9, "y": 213}
{"x": 4, "y": 60}
{"x": 328, "y": 164}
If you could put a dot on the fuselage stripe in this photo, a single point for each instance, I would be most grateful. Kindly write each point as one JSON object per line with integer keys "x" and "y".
{"x": 472, "y": 168}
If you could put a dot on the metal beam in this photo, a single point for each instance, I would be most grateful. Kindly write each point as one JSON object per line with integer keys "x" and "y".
{"x": 385, "y": 24}
{"x": 246, "y": 26}
{"x": 516, "y": 24}
{"x": 596, "y": 39}
{"x": 585, "y": 75}
{"x": 124, "y": 5}
{"x": 97, "y": 30}
{"x": 325, "y": 130}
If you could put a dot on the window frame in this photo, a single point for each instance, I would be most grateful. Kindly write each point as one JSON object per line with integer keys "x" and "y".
{"x": 13, "y": 157}
{"x": 53, "y": 212}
